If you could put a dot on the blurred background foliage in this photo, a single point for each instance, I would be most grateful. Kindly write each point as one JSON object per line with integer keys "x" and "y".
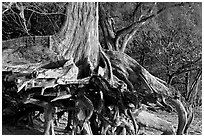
{"x": 169, "y": 46}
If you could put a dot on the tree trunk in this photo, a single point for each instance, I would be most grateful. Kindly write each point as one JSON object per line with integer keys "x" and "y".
{"x": 78, "y": 39}
{"x": 107, "y": 27}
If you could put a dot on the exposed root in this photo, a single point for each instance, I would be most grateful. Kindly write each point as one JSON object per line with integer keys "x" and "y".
{"x": 182, "y": 115}
{"x": 106, "y": 65}
{"x": 135, "y": 73}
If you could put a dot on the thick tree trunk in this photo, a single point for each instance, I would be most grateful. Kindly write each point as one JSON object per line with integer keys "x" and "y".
{"x": 78, "y": 38}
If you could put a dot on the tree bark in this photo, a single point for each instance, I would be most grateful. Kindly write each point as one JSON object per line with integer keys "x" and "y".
{"x": 111, "y": 37}
{"x": 193, "y": 90}
{"x": 107, "y": 25}
{"x": 78, "y": 39}
{"x": 132, "y": 73}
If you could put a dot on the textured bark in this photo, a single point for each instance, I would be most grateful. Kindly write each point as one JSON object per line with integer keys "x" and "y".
{"x": 194, "y": 87}
{"x": 111, "y": 37}
{"x": 182, "y": 115}
{"x": 190, "y": 114}
{"x": 125, "y": 66}
{"x": 106, "y": 25}
{"x": 79, "y": 36}
{"x": 132, "y": 72}
{"x": 78, "y": 39}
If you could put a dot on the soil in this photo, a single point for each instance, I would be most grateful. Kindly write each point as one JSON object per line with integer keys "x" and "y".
{"x": 9, "y": 129}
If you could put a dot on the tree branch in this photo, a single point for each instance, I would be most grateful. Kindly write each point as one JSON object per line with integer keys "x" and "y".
{"x": 136, "y": 25}
{"x": 7, "y": 7}
{"x": 194, "y": 84}
{"x": 183, "y": 71}
{"x": 134, "y": 15}
{"x": 127, "y": 39}
{"x": 185, "y": 66}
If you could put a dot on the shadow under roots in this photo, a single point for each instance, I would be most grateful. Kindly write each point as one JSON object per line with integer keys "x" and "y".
{"x": 8, "y": 128}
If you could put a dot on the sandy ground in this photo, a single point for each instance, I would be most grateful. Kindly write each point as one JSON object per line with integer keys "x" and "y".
{"x": 9, "y": 129}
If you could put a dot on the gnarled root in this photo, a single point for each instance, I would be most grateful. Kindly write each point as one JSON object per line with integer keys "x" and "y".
{"x": 190, "y": 118}
{"x": 182, "y": 115}
{"x": 49, "y": 118}
{"x": 190, "y": 114}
